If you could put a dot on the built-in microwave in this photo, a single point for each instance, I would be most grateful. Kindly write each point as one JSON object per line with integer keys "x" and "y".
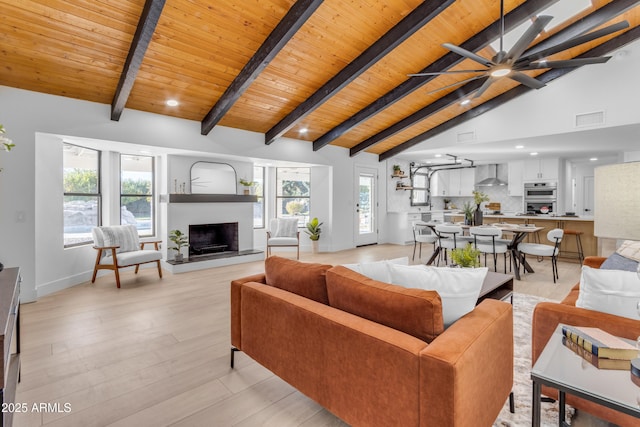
{"x": 541, "y": 207}
{"x": 540, "y": 191}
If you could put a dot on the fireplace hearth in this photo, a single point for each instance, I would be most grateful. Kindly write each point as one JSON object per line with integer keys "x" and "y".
{"x": 210, "y": 239}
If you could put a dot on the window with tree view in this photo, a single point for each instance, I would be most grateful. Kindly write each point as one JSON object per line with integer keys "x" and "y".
{"x": 293, "y": 195}
{"x": 136, "y": 193}
{"x": 82, "y": 198}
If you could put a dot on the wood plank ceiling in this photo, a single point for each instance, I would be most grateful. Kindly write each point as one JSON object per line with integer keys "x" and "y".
{"x": 335, "y": 67}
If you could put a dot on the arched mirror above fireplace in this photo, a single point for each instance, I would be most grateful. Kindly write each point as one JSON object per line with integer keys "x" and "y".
{"x": 213, "y": 178}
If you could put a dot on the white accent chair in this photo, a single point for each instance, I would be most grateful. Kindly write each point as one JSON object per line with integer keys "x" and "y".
{"x": 283, "y": 232}
{"x": 422, "y": 234}
{"x": 541, "y": 250}
{"x": 450, "y": 237}
{"x": 119, "y": 246}
{"x": 487, "y": 241}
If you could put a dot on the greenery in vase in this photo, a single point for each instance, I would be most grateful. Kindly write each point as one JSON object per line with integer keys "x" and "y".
{"x": 468, "y": 209}
{"x": 396, "y": 169}
{"x": 246, "y": 183}
{"x": 178, "y": 239}
{"x": 466, "y": 257}
{"x": 313, "y": 229}
{"x": 479, "y": 197}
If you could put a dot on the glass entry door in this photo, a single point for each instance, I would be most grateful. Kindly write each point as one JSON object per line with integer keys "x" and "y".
{"x": 366, "y": 207}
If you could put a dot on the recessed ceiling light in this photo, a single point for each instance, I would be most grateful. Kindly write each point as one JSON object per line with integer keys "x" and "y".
{"x": 519, "y": 147}
{"x": 465, "y": 102}
{"x": 593, "y": 159}
{"x": 500, "y": 72}
{"x": 437, "y": 156}
{"x": 172, "y": 103}
{"x": 533, "y": 154}
{"x": 303, "y": 130}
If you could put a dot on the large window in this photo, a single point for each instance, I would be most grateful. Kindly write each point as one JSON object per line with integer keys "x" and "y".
{"x": 293, "y": 194}
{"x": 82, "y": 198}
{"x": 258, "y": 207}
{"x": 136, "y": 193}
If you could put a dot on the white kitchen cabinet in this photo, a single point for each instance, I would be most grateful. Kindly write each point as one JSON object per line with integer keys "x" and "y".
{"x": 461, "y": 182}
{"x": 541, "y": 169}
{"x": 515, "y": 170}
{"x": 440, "y": 183}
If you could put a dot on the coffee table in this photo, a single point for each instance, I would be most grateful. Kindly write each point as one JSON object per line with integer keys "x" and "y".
{"x": 497, "y": 286}
{"x": 564, "y": 370}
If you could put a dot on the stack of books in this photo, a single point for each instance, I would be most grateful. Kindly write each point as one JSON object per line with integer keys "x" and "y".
{"x": 600, "y": 348}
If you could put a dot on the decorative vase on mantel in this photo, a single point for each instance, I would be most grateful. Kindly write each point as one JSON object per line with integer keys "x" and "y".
{"x": 477, "y": 216}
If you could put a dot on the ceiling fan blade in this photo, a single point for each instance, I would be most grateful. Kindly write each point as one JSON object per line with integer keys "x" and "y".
{"x": 576, "y": 41}
{"x": 526, "y": 80}
{"x": 464, "y": 52}
{"x": 446, "y": 72}
{"x": 484, "y": 86}
{"x": 529, "y": 36}
{"x": 568, "y": 63}
{"x": 460, "y": 83}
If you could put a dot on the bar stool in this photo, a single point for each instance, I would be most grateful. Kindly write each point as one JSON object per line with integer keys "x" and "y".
{"x": 580, "y": 253}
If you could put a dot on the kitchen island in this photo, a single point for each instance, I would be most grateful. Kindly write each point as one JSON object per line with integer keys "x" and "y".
{"x": 568, "y": 246}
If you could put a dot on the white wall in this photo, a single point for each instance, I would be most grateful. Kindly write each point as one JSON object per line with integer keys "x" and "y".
{"x": 31, "y": 218}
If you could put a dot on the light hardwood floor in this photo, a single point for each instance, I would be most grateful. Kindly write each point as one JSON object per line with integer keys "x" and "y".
{"x": 156, "y": 351}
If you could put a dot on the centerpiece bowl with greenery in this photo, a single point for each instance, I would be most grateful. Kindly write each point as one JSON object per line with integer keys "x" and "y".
{"x": 466, "y": 257}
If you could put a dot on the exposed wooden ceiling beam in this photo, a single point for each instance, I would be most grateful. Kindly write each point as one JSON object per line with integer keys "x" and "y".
{"x": 146, "y": 27}
{"x": 399, "y": 33}
{"x": 593, "y": 20}
{"x": 606, "y": 47}
{"x": 480, "y": 40}
{"x": 282, "y": 33}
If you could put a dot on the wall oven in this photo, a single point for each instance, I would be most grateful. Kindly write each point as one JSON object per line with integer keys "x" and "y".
{"x": 542, "y": 191}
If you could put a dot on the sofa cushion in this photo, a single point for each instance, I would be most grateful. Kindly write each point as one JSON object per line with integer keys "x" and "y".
{"x": 377, "y": 270}
{"x": 413, "y": 311}
{"x": 302, "y": 278}
{"x": 630, "y": 249}
{"x": 609, "y": 291}
{"x": 458, "y": 288}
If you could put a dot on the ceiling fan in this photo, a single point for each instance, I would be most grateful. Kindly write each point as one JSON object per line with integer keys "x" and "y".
{"x": 511, "y": 64}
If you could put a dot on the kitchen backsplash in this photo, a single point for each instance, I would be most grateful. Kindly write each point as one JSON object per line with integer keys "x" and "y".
{"x": 498, "y": 194}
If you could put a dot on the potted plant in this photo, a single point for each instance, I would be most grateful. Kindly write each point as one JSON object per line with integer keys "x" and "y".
{"x": 314, "y": 230}
{"x": 247, "y": 185}
{"x": 478, "y": 198}
{"x": 466, "y": 257}
{"x": 446, "y": 203}
{"x": 467, "y": 209}
{"x": 179, "y": 240}
{"x": 396, "y": 170}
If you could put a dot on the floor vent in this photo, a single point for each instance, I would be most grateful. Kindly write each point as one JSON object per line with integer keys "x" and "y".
{"x": 590, "y": 119}
{"x": 466, "y": 136}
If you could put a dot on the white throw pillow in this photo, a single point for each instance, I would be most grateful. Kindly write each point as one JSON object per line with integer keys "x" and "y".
{"x": 377, "y": 270}
{"x": 287, "y": 227}
{"x": 630, "y": 249}
{"x": 610, "y": 291}
{"x": 458, "y": 288}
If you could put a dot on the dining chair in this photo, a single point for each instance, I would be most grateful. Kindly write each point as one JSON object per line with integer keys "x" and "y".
{"x": 422, "y": 234}
{"x": 487, "y": 240}
{"x": 543, "y": 250}
{"x": 450, "y": 236}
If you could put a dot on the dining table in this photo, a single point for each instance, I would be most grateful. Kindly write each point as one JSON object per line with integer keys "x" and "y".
{"x": 518, "y": 231}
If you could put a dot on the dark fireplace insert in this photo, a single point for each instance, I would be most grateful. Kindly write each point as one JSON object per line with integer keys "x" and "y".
{"x": 209, "y": 239}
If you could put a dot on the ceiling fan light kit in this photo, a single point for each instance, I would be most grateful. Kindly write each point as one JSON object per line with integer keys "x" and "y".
{"x": 512, "y": 63}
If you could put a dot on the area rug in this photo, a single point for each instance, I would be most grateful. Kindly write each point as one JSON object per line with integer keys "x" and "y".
{"x": 522, "y": 313}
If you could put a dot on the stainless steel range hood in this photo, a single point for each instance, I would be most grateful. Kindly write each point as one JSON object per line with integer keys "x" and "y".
{"x": 491, "y": 181}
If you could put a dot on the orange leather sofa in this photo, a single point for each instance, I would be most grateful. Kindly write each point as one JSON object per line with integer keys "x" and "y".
{"x": 548, "y": 315}
{"x": 374, "y": 354}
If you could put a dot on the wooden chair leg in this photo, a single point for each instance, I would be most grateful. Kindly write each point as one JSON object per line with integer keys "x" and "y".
{"x": 115, "y": 270}
{"x": 137, "y": 268}
{"x": 95, "y": 267}
{"x": 159, "y": 269}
